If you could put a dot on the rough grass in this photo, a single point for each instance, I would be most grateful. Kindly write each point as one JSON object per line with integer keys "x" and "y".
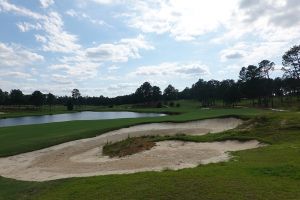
{"x": 128, "y": 147}
{"x": 270, "y": 172}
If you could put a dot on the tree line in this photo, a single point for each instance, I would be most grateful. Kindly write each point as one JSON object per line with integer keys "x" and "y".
{"x": 254, "y": 83}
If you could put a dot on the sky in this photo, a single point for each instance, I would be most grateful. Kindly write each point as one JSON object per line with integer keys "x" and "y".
{"x": 110, "y": 47}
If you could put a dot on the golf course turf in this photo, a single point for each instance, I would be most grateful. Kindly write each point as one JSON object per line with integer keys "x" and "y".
{"x": 270, "y": 172}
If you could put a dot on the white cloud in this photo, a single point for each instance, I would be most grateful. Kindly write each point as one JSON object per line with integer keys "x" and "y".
{"x": 172, "y": 69}
{"x": 122, "y": 86}
{"x": 8, "y": 7}
{"x": 46, "y": 3}
{"x": 116, "y": 89}
{"x": 17, "y": 56}
{"x": 183, "y": 20}
{"x": 61, "y": 79}
{"x": 107, "y": 1}
{"x": 40, "y": 38}
{"x": 260, "y": 29}
{"x": 16, "y": 74}
{"x": 269, "y": 20}
{"x": 247, "y": 53}
{"x": 120, "y": 51}
{"x": 232, "y": 54}
{"x": 82, "y": 15}
{"x": 25, "y": 26}
{"x": 77, "y": 67}
{"x": 55, "y": 39}
{"x": 113, "y": 68}
{"x": 58, "y": 40}
{"x": 84, "y": 63}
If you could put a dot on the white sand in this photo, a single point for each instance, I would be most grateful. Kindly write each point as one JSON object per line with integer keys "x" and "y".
{"x": 84, "y": 157}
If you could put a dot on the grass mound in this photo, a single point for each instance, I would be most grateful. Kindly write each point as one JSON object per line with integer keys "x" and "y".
{"x": 128, "y": 147}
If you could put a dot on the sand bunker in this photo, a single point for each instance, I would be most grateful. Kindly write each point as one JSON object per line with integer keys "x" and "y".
{"x": 84, "y": 157}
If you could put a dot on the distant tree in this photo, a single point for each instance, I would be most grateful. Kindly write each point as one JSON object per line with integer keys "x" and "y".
{"x": 75, "y": 93}
{"x": 170, "y": 93}
{"x": 291, "y": 63}
{"x": 279, "y": 88}
{"x": 265, "y": 67}
{"x": 37, "y": 98}
{"x": 229, "y": 92}
{"x": 2, "y": 97}
{"x": 211, "y": 92}
{"x": 5, "y": 98}
{"x": 156, "y": 93}
{"x": 16, "y": 97}
{"x": 159, "y": 105}
{"x": 70, "y": 105}
{"x": 50, "y": 100}
{"x": 250, "y": 73}
{"x": 197, "y": 90}
{"x": 144, "y": 93}
{"x": 185, "y": 94}
{"x": 206, "y": 92}
{"x": 101, "y": 100}
{"x": 76, "y": 96}
{"x": 250, "y": 81}
{"x": 171, "y": 104}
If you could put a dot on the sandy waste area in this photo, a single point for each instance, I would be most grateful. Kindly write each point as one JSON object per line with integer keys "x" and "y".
{"x": 83, "y": 158}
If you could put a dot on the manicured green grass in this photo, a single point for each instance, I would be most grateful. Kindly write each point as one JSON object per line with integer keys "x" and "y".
{"x": 271, "y": 172}
{"x": 19, "y": 139}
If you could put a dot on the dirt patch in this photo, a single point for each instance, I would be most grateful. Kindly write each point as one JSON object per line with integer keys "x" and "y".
{"x": 128, "y": 147}
{"x": 82, "y": 158}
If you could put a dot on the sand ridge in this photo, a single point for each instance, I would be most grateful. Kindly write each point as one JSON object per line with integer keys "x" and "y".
{"x": 82, "y": 158}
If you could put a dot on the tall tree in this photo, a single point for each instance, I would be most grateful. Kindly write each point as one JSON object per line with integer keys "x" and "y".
{"x": 291, "y": 62}
{"x": 267, "y": 89}
{"x": 156, "y": 93}
{"x": 16, "y": 97}
{"x": 76, "y": 95}
{"x": 170, "y": 93}
{"x": 250, "y": 73}
{"x": 265, "y": 67}
{"x": 144, "y": 93}
{"x": 229, "y": 92}
{"x": 2, "y": 97}
{"x": 37, "y": 98}
{"x": 250, "y": 80}
{"x": 70, "y": 105}
{"x": 50, "y": 100}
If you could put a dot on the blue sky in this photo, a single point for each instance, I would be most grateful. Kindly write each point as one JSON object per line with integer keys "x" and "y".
{"x": 110, "y": 47}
